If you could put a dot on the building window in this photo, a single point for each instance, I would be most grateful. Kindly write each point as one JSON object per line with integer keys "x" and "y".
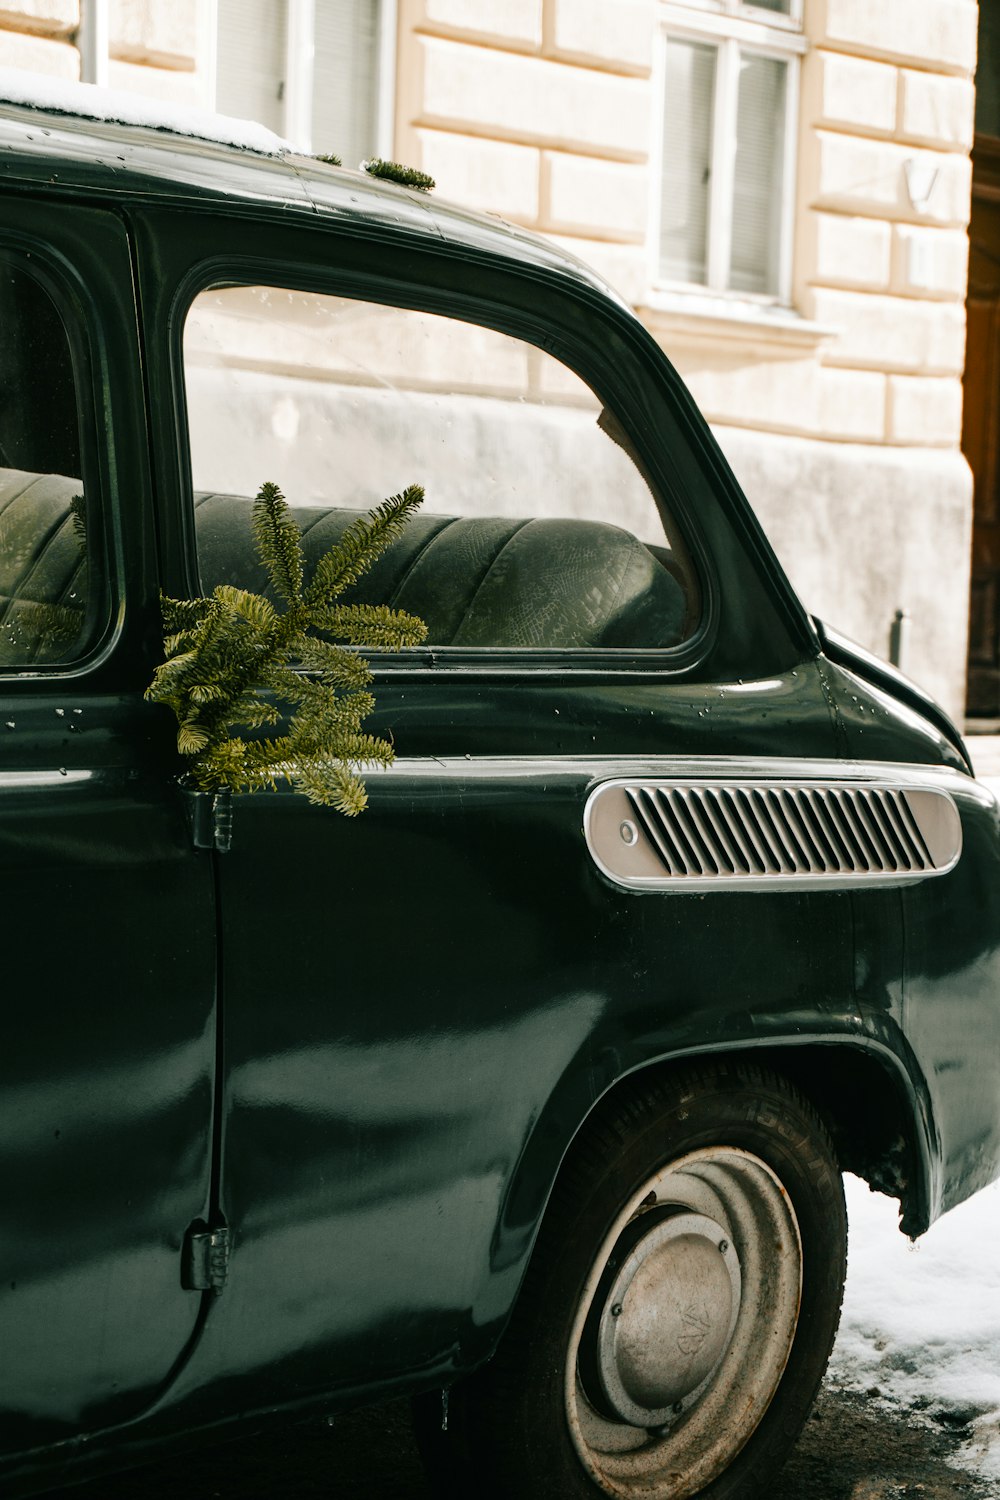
{"x": 729, "y": 84}
{"x": 318, "y": 72}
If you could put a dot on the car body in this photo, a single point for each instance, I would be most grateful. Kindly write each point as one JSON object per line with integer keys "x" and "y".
{"x": 334, "y": 1069}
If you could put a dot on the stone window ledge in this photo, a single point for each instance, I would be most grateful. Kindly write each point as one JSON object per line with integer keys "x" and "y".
{"x": 698, "y": 317}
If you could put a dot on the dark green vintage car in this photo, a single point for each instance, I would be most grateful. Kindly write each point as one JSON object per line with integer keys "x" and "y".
{"x": 527, "y": 1093}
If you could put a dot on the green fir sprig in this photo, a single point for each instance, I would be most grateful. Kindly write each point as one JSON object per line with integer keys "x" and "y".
{"x": 394, "y": 171}
{"x": 225, "y": 652}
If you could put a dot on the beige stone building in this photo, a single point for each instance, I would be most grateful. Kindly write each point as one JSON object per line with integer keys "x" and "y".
{"x": 781, "y": 188}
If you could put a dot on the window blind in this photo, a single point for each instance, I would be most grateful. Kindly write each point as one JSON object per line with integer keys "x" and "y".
{"x": 689, "y": 89}
{"x": 757, "y": 190}
{"x": 345, "y": 80}
{"x": 251, "y": 60}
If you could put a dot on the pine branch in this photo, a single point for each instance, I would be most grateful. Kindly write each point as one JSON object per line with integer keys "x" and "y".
{"x": 367, "y": 750}
{"x": 253, "y": 608}
{"x": 373, "y": 625}
{"x": 225, "y": 652}
{"x": 53, "y": 628}
{"x": 337, "y": 667}
{"x": 332, "y": 785}
{"x": 183, "y": 614}
{"x": 321, "y": 713}
{"x": 78, "y": 516}
{"x": 277, "y": 539}
{"x": 192, "y": 737}
{"x": 361, "y": 544}
{"x": 395, "y": 171}
{"x": 283, "y": 682}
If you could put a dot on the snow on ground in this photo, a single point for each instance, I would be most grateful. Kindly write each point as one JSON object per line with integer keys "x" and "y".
{"x": 921, "y": 1322}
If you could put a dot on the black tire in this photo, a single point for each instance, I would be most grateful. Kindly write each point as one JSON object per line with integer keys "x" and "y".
{"x": 741, "y": 1167}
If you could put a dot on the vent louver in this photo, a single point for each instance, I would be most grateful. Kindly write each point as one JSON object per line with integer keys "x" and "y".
{"x": 733, "y": 833}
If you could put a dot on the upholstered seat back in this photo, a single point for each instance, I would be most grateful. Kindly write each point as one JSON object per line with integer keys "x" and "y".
{"x": 42, "y": 569}
{"x": 481, "y": 581}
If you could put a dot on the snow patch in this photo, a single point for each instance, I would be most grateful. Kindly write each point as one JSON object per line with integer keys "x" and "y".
{"x": 921, "y": 1323}
{"x": 38, "y": 91}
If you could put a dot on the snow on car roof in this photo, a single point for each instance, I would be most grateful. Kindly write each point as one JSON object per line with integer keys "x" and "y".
{"x": 270, "y": 169}
{"x": 39, "y": 91}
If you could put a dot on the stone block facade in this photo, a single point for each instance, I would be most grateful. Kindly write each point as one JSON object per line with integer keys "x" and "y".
{"x": 58, "y": 18}
{"x": 885, "y": 118}
{"x": 145, "y": 40}
{"x": 40, "y": 53}
{"x": 550, "y": 112}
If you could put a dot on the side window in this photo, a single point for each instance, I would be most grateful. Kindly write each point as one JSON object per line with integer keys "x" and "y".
{"x": 46, "y": 594}
{"x": 538, "y": 530}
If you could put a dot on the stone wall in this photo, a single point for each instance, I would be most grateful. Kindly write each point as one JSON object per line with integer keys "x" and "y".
{"x": 845, "y": 407}
{"x": 38, "y": 35}
{"x": 843, "y": 420}
{"x": 541, "y": 111}
{"x": 154, "y": 49}
{"x": 863, "y": 531}
{"x": 538, "y": 110}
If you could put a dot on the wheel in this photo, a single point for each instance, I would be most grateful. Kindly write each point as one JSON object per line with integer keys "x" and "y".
{"x": 678, "y": 1312}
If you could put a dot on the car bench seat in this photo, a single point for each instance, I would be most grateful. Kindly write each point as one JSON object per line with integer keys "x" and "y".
{"x": 483, "y": 581}
{"x": 42, "y": 568}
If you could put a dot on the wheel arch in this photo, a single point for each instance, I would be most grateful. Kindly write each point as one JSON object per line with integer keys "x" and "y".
{"x": 874, "y": 1102}
{"x": 870, "y": 1094}
{"x": 661, "y": 1124}
{"x": 877, "y": 1110}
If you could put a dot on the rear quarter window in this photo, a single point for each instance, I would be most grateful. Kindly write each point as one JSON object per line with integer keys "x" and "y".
{"x": 538, "y": 531}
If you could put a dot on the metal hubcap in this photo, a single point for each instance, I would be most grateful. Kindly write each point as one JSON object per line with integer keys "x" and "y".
{"x": 684, "y": 1327}
{"x": 659, "y": 1328}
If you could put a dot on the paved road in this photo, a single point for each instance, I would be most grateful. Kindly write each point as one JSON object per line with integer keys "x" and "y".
{"x": 849, "y": 1451}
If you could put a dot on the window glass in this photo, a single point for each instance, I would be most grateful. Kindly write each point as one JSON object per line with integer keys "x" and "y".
{"x": 251, "y": 67}
{"x": 345, "y": 79}
{"x": 44, "y": 572}
{"x": 760, "y": 145}
{"x": 687, "y": 160}
{"x": 322, "y": 94}
{"x": 538, "y": 528}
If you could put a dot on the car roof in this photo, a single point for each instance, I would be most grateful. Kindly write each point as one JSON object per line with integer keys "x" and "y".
{"x": 75, "y": 138}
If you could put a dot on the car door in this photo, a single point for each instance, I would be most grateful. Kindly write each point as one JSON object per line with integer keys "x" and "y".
{"x": 108, "y": 1055}
{"x": 422, "y": 1003}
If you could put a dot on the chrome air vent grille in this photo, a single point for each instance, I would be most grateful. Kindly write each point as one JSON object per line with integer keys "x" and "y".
{"x": 657, "y": 834}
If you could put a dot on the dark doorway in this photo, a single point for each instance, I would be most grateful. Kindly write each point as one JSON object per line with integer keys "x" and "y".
{"x": 981, "y": 420}
{"x": 981, "y": 428}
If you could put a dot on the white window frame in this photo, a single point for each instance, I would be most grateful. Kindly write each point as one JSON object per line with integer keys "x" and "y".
{"x": 732, "y": 26}
{"x": 92, "y": 39}
{"x": 298, "y": 95}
